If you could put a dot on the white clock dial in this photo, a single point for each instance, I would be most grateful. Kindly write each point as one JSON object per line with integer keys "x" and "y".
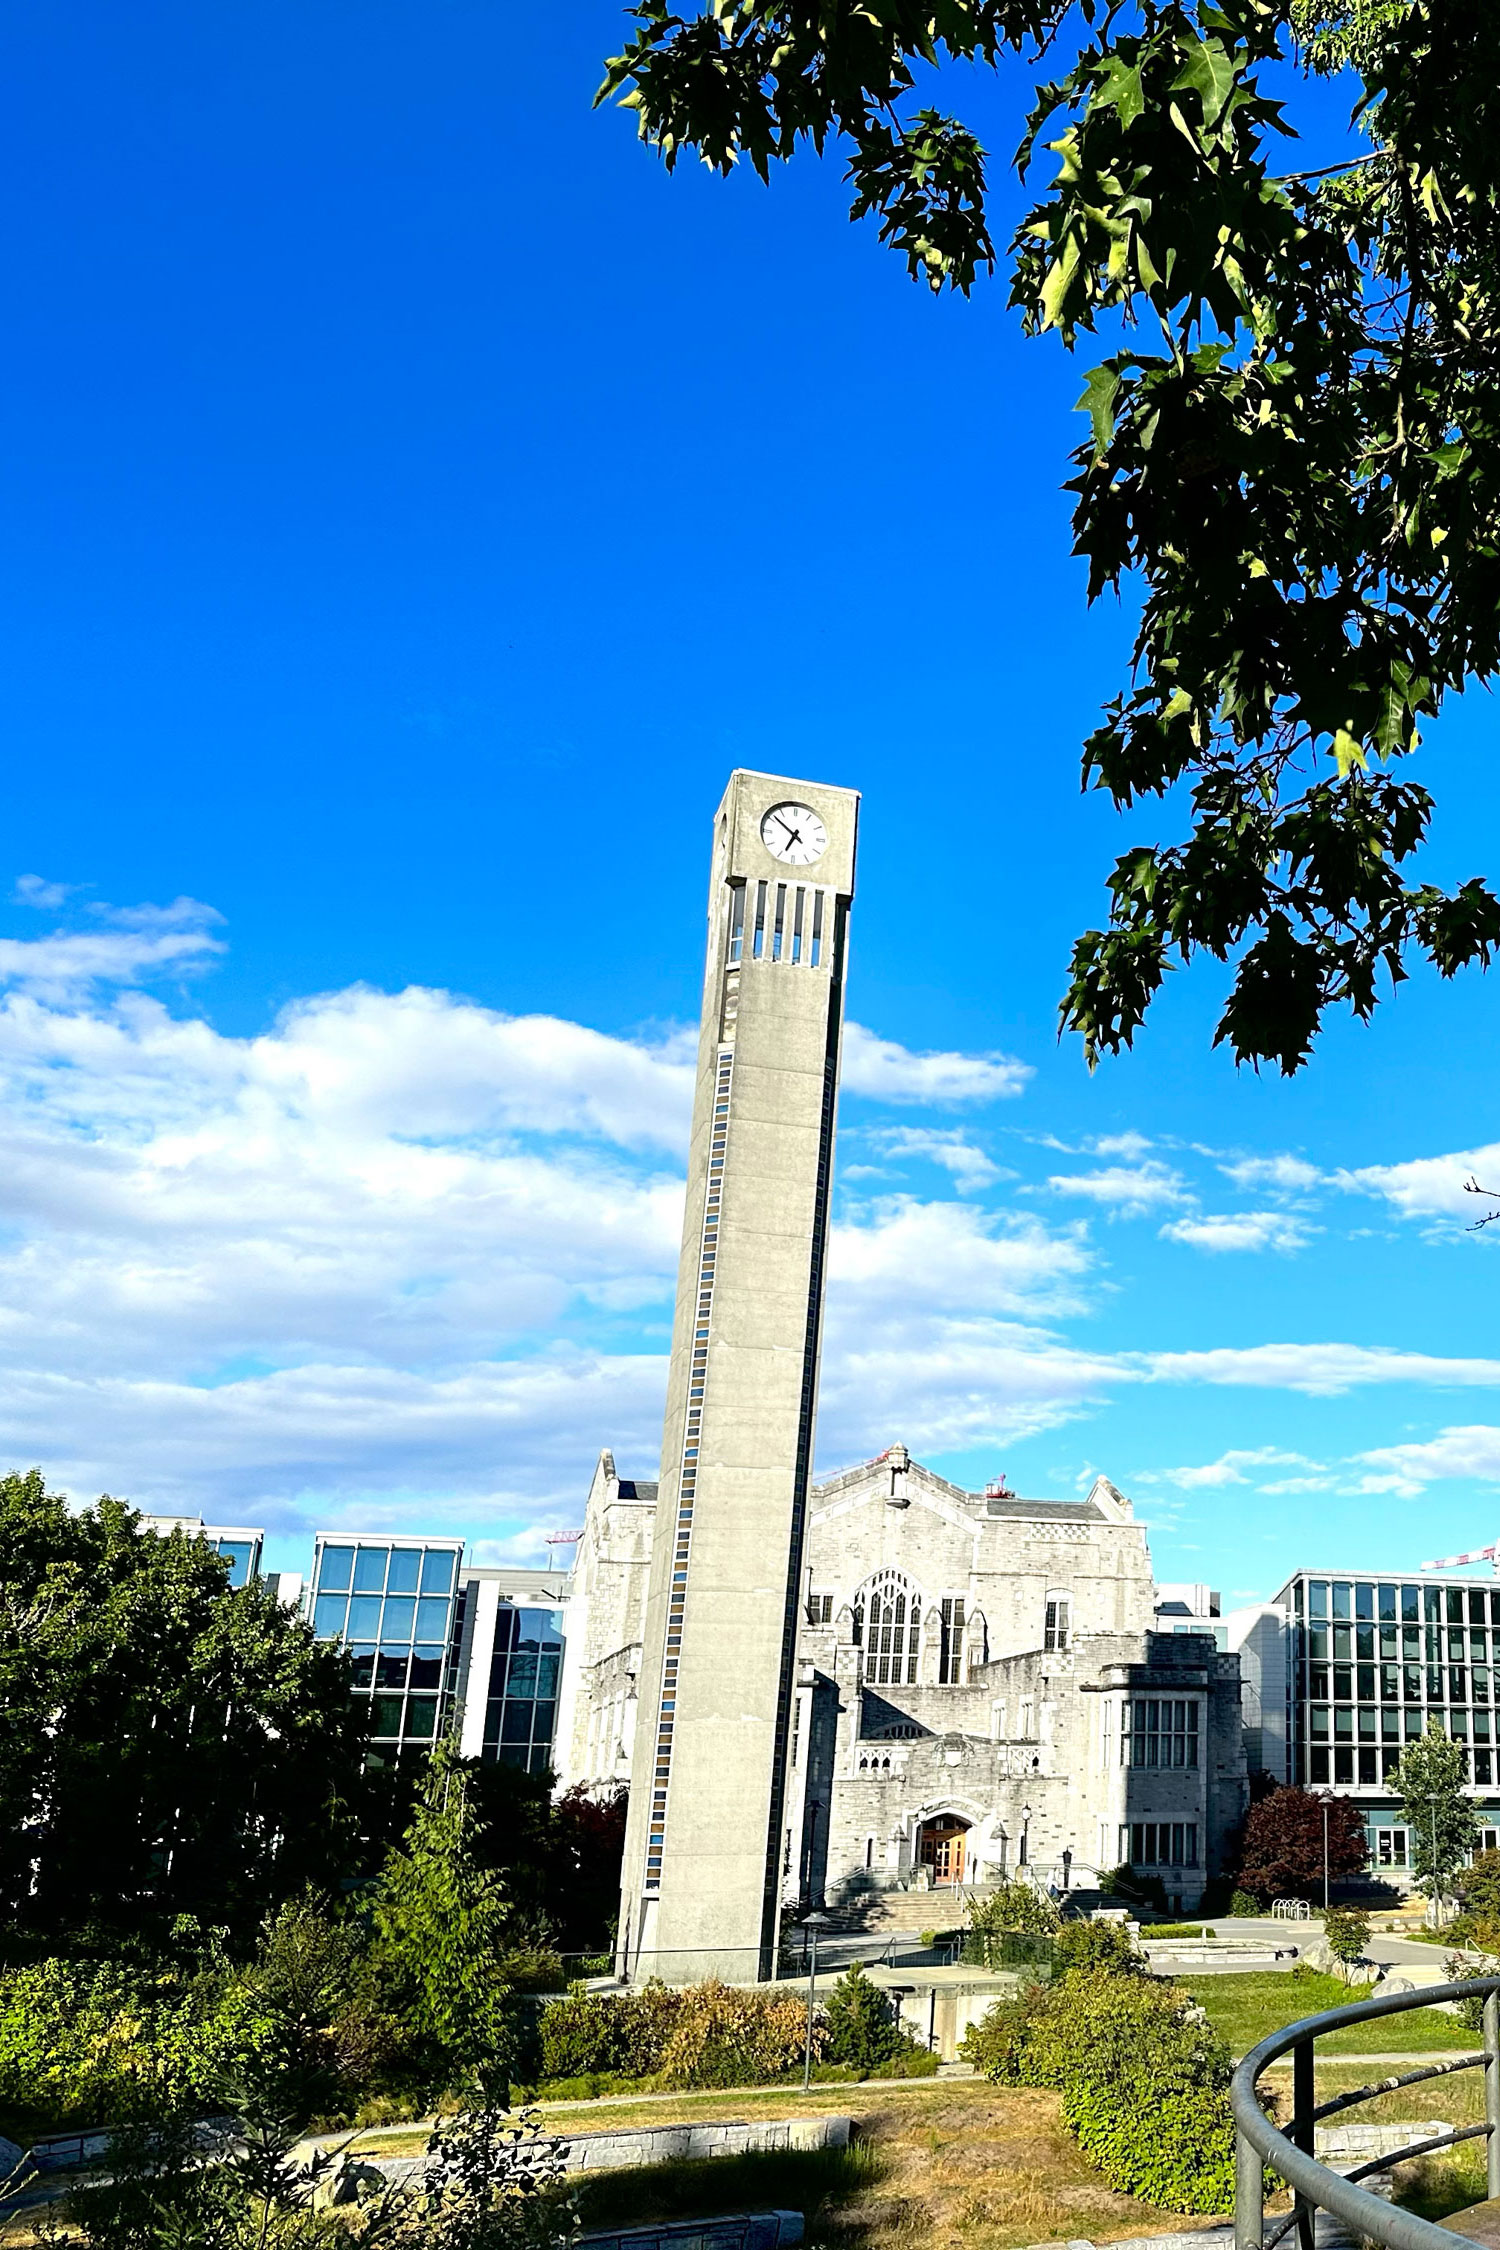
{"x": 795, "y": 834}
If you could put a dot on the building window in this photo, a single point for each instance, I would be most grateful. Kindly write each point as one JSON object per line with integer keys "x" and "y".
{"x": 1058, "y": 1622}
{"x": 392, "y": 1606}
{"x": 525, "y": 1673}
{"x": 951, "y": 1655}
{"x": 820, "y": 1609}
{"x": 888, "y": 1621}
{"x": 1159, "y": 1731}
{"x": 1159, "y": 1843}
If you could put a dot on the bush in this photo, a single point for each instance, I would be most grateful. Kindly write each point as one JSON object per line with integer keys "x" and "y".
{"x": 1244, "y": 1903}
{"x": 916, "y": 2062}
{"x": 1014, "y": 1906}
{"x": 1126, "y": 1883}
{"x": 1095, "y": 1945}
{"x": 863, "y": 2027}
{"x": 1143, "y": 2087}
{"x": 726, "y": 2036}
{"x": 583, "y": 2035}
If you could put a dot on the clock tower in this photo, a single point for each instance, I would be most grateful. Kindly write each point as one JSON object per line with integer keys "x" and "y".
{"x": 706, "y": 1843}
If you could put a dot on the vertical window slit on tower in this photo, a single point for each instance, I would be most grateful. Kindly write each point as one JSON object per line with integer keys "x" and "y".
{"x": 736, "y": 921}
{"x": 697, "y": 1371}
{"x": 776, "y": 939}
{"x": 758, "y": 942}
{"x": 797, "y": 903}
{"x": 817, "y": 930}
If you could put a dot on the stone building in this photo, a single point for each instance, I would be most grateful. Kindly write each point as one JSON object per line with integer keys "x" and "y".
{"x": 981, "y": 1688}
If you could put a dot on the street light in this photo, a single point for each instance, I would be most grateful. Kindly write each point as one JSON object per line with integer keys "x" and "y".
{"x": 1025, "y": 1824}
{"x": 812, "y": 1923}
{"x": 1325, "y": 1859}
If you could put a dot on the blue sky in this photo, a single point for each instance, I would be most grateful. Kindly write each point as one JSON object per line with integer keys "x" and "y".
{"x": 415, "y": 505}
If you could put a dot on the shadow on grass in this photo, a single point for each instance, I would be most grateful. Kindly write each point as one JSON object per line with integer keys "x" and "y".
{"x": 1434, "y": 2187}
{"x": 772, "y": 2179}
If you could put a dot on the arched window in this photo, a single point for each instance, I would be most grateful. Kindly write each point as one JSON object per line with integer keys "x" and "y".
{"x": 1057, "y": 1630}
{"x": 888, "y": 1616}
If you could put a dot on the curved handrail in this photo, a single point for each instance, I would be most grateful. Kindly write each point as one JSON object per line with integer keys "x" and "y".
{"x": 1259, "y": 2142}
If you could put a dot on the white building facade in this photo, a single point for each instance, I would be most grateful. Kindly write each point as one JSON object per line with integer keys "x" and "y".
{"x": 981, "y": 1687}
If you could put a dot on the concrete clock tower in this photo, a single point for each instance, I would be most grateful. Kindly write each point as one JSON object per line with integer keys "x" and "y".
{"x": 706, "y": 1844}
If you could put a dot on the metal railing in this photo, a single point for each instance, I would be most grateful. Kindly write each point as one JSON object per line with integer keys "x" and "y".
{"x": 1315, "y": 2187}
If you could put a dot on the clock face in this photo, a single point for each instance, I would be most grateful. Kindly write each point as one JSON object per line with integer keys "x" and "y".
{"x": 795, "y": 834}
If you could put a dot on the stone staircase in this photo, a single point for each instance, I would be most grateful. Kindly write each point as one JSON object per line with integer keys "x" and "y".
{"x": 901, "y": 1913}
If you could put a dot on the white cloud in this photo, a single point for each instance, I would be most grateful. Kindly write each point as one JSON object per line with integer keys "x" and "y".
{"x": 1428, "y": 1186}
{"x": 35, "y": 890}
{"x": 1127, "y": 1190}
{"x": 307, "y": 1273}
{"x": 1318, "y": 1369}
{"x": 134, "y": 944}
{"x": 970, "y": 1166}
{"x": 1128, "y": 1145}
{"x": 890, "y": 1073}
{"x": 1290, "y": 1175}
{"x": 1464, "y": 1451}
{"x": 1238, "y": 1230}
{"x": 1230, "y": 1468}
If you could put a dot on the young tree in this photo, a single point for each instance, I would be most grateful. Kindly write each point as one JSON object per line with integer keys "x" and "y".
{"x": 441, "y": 1922}
{"x": 862, "y": 2024}
{"x": 1294, "y": 444}
{"x": 1441, "y": 1822}
{"x": 1282, "y": 1855}
{"x": 1348, "y": 1933}
{"x": 172, "y": 1745}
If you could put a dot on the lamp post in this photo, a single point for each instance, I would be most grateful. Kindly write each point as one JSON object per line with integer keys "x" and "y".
{"x": 812, "y": 1923}
{"x": 1025, "y": 1825}
{"x": 1325, "y": 1859}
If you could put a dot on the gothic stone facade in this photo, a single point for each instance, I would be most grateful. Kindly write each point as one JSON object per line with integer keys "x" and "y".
{"x": 980, "y": 1688}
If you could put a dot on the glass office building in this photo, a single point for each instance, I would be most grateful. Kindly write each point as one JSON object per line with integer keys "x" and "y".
{"x": 1371, "y": 1660}
{"x": 393, "y": 1604}
{"x": 240, "y": 1547}
{"x": 525, "y": 1677}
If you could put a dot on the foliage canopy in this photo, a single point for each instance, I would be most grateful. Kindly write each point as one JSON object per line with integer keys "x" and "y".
{"x": 172, "y": 1745}
{"x": 1282, "y": 1855}
{"x": 1442, "y": 1825}
{"x": 1294, "y": 436}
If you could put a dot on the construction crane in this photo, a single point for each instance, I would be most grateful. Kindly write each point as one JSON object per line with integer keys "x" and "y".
{"x": 1491, "y": 1555}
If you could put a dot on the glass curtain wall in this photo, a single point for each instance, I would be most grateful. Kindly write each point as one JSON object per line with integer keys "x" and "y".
{"x": 391, "y": 1604}
{"x": 525, "y": 1672}
{"x": 1374, "y": 1662}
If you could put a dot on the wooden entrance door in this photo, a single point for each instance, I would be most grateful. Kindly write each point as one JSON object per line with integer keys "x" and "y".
{"x": 943, "y": 1851}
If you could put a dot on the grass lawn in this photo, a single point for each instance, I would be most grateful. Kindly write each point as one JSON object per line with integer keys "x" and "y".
{"x": 1459, "y": 2099}
{"x": 937, "y": 2164}
{"x": 1244, "y": 2008}
{"x": 963, "y": 2166}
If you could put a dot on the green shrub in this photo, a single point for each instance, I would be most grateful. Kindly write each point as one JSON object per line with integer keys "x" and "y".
{"x": 862, "y": 2024}
{"x": 1013, "y": 1906}
{"x": 915, "y": 2062}
{"x": 1095, "y": 1945}
{"x": 1144, "y": 2089}
{"x": 1244, "y": 1904}
{"x": 582, "y": 2035}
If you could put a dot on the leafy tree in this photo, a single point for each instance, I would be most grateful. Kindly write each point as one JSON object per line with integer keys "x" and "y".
{"x": 1283, "y": 1847}
{"x": 1294, "y": 445}
{"x": 443, "y": 1930}
{"x": 862, "y": 2024}
{"x": 172, "y": 1745}
{"x": 1441, "y": 1822}
{"x": 1478, "y": 1888}
{"x": 1348, "y": 1933}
